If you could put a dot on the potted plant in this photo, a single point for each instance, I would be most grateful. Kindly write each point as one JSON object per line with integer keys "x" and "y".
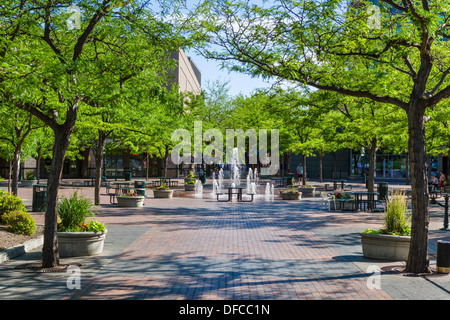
{"x": 162, "y": 191}
{"x": 392, "y": 241}
{"x": 130, "y": 199}
{"x": 189, "y": 182}
{"x": 29, "y": 179}
{"x": 77, "y": 231}
{"x": 342, "y": 201}
{"x": 307, "y": 190}
{"x": 291, "y": 194}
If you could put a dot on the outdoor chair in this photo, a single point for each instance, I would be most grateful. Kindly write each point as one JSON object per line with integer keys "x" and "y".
{"x": 326, "y": 198}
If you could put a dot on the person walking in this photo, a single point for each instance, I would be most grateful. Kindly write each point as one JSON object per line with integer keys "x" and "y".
{"x": 442, "y": 180}
{"x": 300, "y": 172}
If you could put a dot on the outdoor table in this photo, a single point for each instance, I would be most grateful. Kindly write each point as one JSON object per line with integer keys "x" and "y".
{"x": 335, "y": 184}
{"x": 277, "y": 181}
{"x": 122, "y": 185}
{"x": 238, "y": 192}
{"x": 165, "y": 179}
{"x": 285, "y": 181}
{"x": 360, "y": 203}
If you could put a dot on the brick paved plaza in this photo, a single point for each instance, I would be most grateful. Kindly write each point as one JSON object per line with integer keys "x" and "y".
{"x": 200, "y": 249}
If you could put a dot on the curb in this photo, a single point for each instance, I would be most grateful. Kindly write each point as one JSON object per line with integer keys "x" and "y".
{"x": 21, "y": 249}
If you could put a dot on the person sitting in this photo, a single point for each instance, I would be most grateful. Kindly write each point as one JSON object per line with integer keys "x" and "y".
{"x": 434, "y": 181}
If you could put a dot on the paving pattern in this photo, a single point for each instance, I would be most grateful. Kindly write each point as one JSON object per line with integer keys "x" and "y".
{"x": 201, "y": 249}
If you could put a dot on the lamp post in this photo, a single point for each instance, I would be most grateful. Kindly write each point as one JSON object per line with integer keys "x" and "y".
{"x": 446, "y": 196}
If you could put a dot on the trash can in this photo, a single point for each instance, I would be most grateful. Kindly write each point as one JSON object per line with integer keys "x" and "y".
{"x": 443, "y": 257}
{"x": 140, "y": 185}
{"x": 128, "y": 174}
{"x": 39, "y": 197}
{"x": 383, "y": 189}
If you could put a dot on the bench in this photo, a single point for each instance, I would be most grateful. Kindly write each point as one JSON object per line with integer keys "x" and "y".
{"x": 173, "y": 183}
{"x": 156, "y": 183}
{"x": 251, "y": 197}
{"x": 221, "y": 194}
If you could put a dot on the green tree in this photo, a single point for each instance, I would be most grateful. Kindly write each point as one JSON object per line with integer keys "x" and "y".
{"x": 51, "y": 68}
{"x": 404, "y": 63}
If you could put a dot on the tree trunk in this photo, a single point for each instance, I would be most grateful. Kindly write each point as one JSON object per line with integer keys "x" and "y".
{"x": 418, "y": 261}
{"x": 372, "y": 165}
{"x": 166, "y": 157}
{"x": 63, "y": 133}
{"x": 407, "y": 169}
{"x": 304, "y": 170}
{"x": 38, "y": 165}
{"x": 99, "y": 164}
{"x": 321, "y": 166}
{"x": 15, "y": 171}
{"x": 429, "y": 166}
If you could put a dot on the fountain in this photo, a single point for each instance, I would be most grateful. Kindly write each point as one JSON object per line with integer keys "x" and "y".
{"x": 235, "y": 171}
{"x": 220, "y": 184}
{"x": 270, "y": 191}
{"x": 252, "y": 181}
{"x": 198, "y": 191}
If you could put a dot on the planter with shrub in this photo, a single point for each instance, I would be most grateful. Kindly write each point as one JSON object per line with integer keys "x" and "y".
{"x": 130, "y": 200}
{"x": 291, "y": 194}
{"x": 163, "y": 192}
{"x": 78, "y": 232}
{"x": 189, "y": 182}
{"x": 392, "y": 241}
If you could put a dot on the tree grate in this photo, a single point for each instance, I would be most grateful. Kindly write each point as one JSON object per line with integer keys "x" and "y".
{"x": 37, "y": 267}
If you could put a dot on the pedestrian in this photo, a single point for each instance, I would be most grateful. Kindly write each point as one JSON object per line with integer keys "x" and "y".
{"x": 300, "y": 172}
{"x": 442, "y": 180}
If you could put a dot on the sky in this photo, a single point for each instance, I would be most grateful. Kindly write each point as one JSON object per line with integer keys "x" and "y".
{"x": 237, "y": 83}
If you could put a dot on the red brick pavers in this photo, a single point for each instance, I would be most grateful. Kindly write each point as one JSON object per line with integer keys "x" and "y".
{"x": 200, "y": 249}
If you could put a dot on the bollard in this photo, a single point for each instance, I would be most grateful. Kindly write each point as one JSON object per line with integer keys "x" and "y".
{"x": 443, "y": 257}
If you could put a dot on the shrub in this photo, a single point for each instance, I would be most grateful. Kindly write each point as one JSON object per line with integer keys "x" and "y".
{"x": 73, "y": 211}
{"x": 10, "y": 202}
{"x": 396, "y": 219}
{"x": 29, "y": 175}
{"x": 20, "y": 222}
{"x": 190, "y": 178}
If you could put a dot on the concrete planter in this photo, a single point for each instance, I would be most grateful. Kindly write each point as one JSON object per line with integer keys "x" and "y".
{"x": 339, "y": 205}
{"x": 163, "y": 194}
{"x": 385, "y": 247}
{"x": 189, "y": 187}
{"x": 74, "y": 244}
{"x": 291, "y": 196}
{"x": 130, "y": 201}
{"x": 307, "y": 191}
